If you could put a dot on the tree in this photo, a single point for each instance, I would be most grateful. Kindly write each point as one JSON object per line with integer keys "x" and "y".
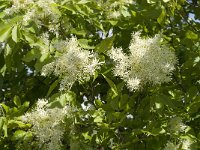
{"x": 96, "y": 74}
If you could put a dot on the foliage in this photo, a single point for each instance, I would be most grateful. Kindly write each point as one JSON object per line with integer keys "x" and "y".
{"x": 104, "y": 113}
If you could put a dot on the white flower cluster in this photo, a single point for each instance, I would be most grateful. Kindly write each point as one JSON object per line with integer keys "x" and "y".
{"x": 176, "y": 125}
{"x": 148, "y": 62}
{"x": 170, "y": 146}
{"x": 186, "y": 144}
{"x": 74, "y": 64}
{"x": 181, "y": 144}
{"x": 44, "y": 39}
{"x": 17, "y": 5}
{"x": 47, "y": 124}
{"x": 36, "y": 10}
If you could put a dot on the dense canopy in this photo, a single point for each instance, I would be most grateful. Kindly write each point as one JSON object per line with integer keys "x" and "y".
{"x": 100, "y": 74}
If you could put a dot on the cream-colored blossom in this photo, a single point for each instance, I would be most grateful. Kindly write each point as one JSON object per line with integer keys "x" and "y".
{"x": 176, "y": 125}
{"x": 148, "y": 61}
{"x": 47, "y": 124}
{"x": 73, "y": 64}
{"x": 183, "y": 144}
{"x": 119, "y": 3}
{"x": 171, "y": 146}
{"x": 186, "y": 143}
{"x": 114, "y": 14}
{"x": 34, "y": 10}
{"x": 133, "y": 83}
{"x": 17, "y": 5}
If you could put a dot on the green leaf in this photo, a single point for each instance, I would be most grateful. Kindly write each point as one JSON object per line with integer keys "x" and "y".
{"x": 28, "y": 136}
{"x": 133, "y": 13}
{"x": 98, "y": 119}
{"x": 84, "y": 44}
{"x": 163, "y": 99}
{"x": 105, "y": 45}
{"x": 95, "y": 76}
{"x": 83, "y": 1}
{"x": 16, "y": 124}
{"x": 2, "y": 14}
{"x": 43, "y": 60}
{"x": 31, "y": 55}
{"x": 52, "y": 87}
{"x": 123, "y": 101}
{"x": 191, "y": 35}
{"x": 6, "y": 108}
{"x": 26, "y": 104}
{"x": 125, "y": 12}
{"x": 2, "y": 120}
{"x": 30, "y": 38}
{"x": 113, "y": 22}
{"x": 194, "y": 106}
{"x": 99, "y": 25}
{"x": 55, "y": 9}
{"x": 18, "y": 135}
{"x": 5, "y": 128}
{"x": 161, "y": 18}
{"x": 86, "y": 136}
{"x": 69, "y": 7}
{"x": 98, "y": 102}
{"x": 17, "y": 101}
{"x": 78, "y": 31}
{"x": 112, "y": 85}
{"x": 62, "y": 100}
{"x": 5, "y": 31}
{"x": 15, "y": 34}
{"x": 7, "y": 55}
{"x": 3, "y": 70}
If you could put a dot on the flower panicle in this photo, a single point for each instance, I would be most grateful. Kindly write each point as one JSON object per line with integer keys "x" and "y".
{"x": 149, "y": 61}
{"x": 47, "y": 123}
{"x": 74, "y": 64}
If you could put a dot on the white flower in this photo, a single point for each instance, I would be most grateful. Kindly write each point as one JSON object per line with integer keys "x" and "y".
{"x": 47, "y": 124}
{"x": 133, "y": 83}
{"x": 41, "y": 103}
{"x": 149, "y": 62}
{"x": 186, "y": 144}
{"x": 17, "y": 5}
{"x": 74, "y": 64}
{"x": 171, "y": 146}
{"x": 61, "y": 45}
{"x": 176, "y": 125}
{"x": 114, "y": 14}
{"x": 29, "y": 15}
{"x": 35, "y": 10}
{"x": 183, "y": 144}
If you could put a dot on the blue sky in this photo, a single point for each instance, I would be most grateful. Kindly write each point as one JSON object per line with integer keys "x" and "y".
{"x": 192, "y": 16}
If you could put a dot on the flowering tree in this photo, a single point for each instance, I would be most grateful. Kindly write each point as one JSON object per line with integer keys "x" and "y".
{"x": 99, "y": 74}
